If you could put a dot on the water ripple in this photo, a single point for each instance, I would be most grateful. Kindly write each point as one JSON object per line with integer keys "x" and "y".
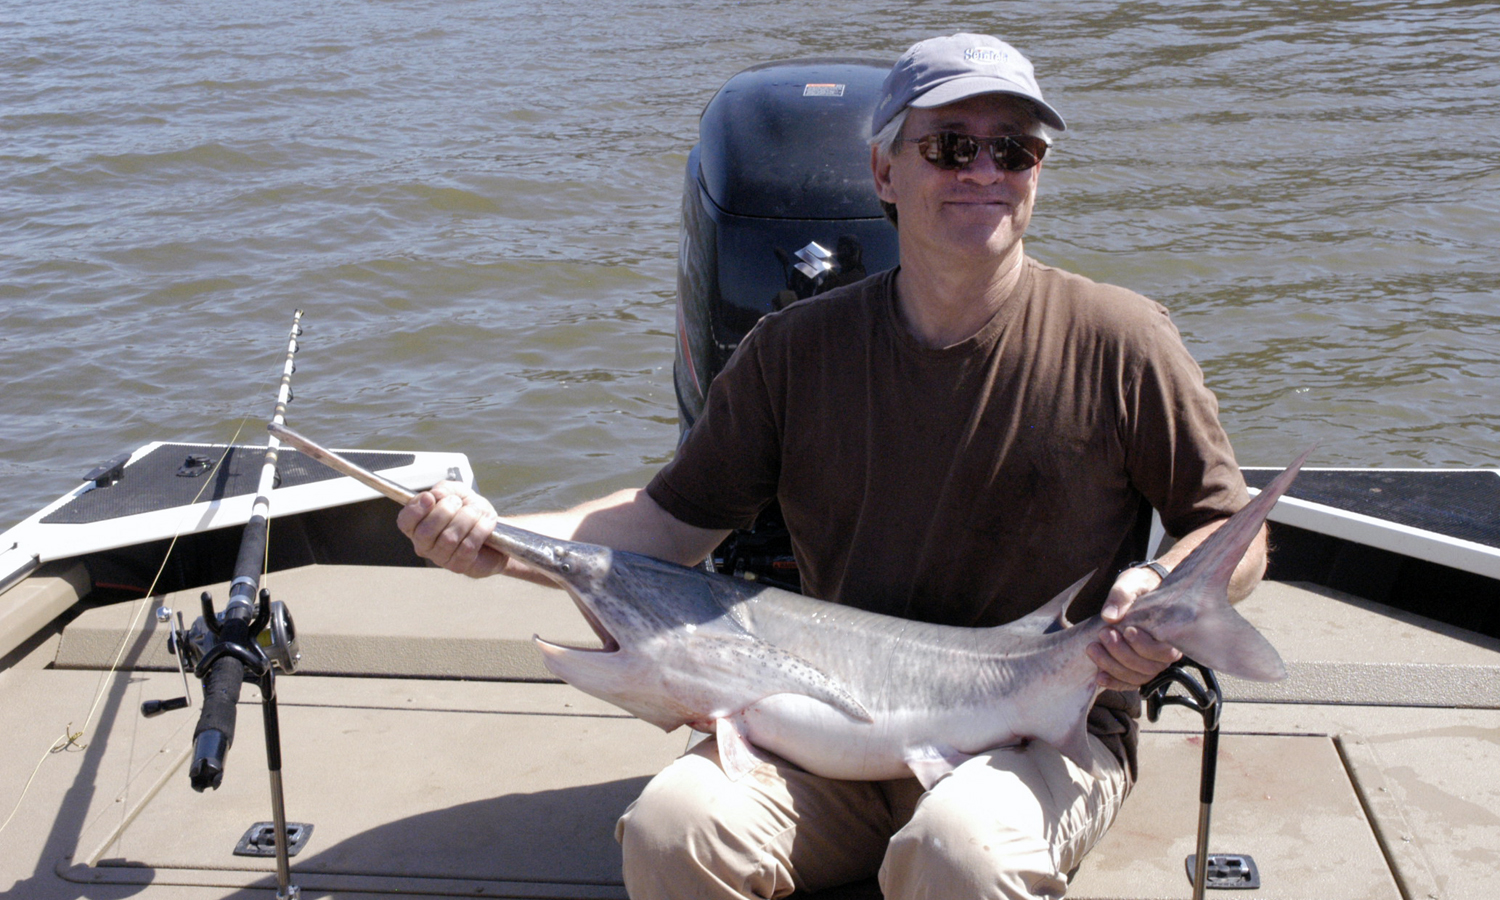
{"x": 477, "y": 205}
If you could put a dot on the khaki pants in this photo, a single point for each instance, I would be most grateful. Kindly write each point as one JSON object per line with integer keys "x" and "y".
{"x": 1010, "y": 823}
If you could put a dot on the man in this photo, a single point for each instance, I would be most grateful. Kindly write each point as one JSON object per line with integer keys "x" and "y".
{"x": 953, "y": 441}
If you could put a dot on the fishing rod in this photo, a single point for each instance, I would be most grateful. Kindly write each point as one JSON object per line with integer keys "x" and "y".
{"x": 249, "y": 641}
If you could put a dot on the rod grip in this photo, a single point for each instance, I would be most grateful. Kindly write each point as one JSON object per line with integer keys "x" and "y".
{"x": 215, "y": 732}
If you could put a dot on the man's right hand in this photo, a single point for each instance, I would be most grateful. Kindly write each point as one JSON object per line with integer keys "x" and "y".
{"x": 449, "y": 524}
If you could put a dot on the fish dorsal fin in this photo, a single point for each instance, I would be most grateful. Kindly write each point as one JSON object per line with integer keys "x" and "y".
{"x": 1051, "y": 616}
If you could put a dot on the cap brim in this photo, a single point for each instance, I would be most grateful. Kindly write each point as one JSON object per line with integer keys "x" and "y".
{"x": 964, "y": 88}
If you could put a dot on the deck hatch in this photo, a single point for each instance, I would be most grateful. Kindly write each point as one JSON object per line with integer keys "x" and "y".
{"x": 164, "y": 479}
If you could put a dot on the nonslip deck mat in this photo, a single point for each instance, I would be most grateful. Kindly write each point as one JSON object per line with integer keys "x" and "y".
{"x": 152, "y": 483}
{"x": 1458, "y": 504}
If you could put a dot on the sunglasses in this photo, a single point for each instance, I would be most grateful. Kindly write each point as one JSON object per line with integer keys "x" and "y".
{"x": 954, "y": 151}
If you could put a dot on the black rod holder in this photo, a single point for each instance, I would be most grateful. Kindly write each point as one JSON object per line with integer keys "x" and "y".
{"x": 1207, "y": 699}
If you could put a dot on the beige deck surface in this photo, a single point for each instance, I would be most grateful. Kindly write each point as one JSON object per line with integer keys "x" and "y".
{"x": 358, "y": 620}
{"x": 489, "y": 788}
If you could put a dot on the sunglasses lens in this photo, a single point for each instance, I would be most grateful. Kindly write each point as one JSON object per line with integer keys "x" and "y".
{"x": 948, "y": 149}
{"x": 1019, "y": 152}
{"x": 954, "y": 151}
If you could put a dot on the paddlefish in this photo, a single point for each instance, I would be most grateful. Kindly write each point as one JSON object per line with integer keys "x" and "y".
{"x": 850, "y": 694}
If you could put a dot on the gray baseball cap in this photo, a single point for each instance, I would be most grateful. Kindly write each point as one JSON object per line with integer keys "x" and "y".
{"x": 944, "y": 70}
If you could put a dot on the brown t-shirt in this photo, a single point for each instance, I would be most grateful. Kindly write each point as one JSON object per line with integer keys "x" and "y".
{"x": 970, "y": 484}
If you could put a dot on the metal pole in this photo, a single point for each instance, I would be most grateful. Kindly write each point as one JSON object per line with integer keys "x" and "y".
{"x": 1206, "y": 800}
{"x": 285, "y": 890}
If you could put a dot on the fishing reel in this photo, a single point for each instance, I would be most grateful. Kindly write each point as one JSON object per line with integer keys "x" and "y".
{"x": 275, "y": 646}
{"x": 275, "y": 639}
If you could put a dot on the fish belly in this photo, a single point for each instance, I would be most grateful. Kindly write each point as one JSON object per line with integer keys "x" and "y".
{"x": 827, "y": 743}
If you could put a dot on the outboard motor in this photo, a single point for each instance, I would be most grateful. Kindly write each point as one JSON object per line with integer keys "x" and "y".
{"x": 778, "y": 206}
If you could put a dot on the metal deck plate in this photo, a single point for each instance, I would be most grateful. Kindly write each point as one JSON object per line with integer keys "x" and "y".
{"x": 260, "y": 839}
{"x": 1226, "y": 871}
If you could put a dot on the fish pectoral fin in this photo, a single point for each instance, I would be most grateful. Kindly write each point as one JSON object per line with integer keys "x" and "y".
{"x": 932, "y": 763}
{"x": 737, "y": 756}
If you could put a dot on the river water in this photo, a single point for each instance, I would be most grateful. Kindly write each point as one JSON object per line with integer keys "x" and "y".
{"x": 476, "y": 203}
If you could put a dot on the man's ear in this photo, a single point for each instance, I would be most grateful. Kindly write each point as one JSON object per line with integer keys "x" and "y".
{"x": 880, "y": 168}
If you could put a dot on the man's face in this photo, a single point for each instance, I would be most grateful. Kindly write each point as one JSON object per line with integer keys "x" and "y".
{"x": 981, "y": 210}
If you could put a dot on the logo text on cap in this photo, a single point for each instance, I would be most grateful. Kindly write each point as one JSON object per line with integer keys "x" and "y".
{"x": 986, "y": 56}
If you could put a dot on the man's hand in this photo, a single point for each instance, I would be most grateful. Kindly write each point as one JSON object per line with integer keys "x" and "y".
{"x": 1128, "y": 658}
{"x": 449, "y": 525}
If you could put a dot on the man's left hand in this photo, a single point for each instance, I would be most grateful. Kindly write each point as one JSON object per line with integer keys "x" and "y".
{"x": 1129, "y": 657}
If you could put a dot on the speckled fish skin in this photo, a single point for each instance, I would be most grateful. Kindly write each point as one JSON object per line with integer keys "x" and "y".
{"x": 851, "y": 694}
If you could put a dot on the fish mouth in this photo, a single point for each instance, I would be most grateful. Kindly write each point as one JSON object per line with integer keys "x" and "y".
{"x": 610, "y": 644}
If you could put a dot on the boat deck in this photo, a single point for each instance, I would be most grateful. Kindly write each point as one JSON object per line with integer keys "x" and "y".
{"x": 432, "y": 756}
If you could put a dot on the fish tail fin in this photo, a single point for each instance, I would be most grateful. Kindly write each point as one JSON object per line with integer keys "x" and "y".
{"x": 1191, "y": 609}
{"x": 1224, "y": 641}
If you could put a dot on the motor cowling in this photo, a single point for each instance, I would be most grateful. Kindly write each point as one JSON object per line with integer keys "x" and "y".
{"x": 778, "y": 205}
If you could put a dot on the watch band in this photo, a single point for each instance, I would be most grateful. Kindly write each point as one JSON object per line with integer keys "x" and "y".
{"x": 1153, "y": 565}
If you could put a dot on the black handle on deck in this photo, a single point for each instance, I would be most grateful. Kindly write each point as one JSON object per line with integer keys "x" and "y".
{"x": 153, "y": 708}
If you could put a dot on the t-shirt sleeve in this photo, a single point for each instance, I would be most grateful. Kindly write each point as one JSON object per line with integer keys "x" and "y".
{"x": 727, "y": 468}
{"x": 1178, "y": 455}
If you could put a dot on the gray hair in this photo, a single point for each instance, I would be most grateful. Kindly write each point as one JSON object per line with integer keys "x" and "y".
{"x": 885, "y": 139}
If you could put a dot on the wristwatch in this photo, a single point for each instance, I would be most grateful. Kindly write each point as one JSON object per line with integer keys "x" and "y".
{"x": 1153, "y": 565}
